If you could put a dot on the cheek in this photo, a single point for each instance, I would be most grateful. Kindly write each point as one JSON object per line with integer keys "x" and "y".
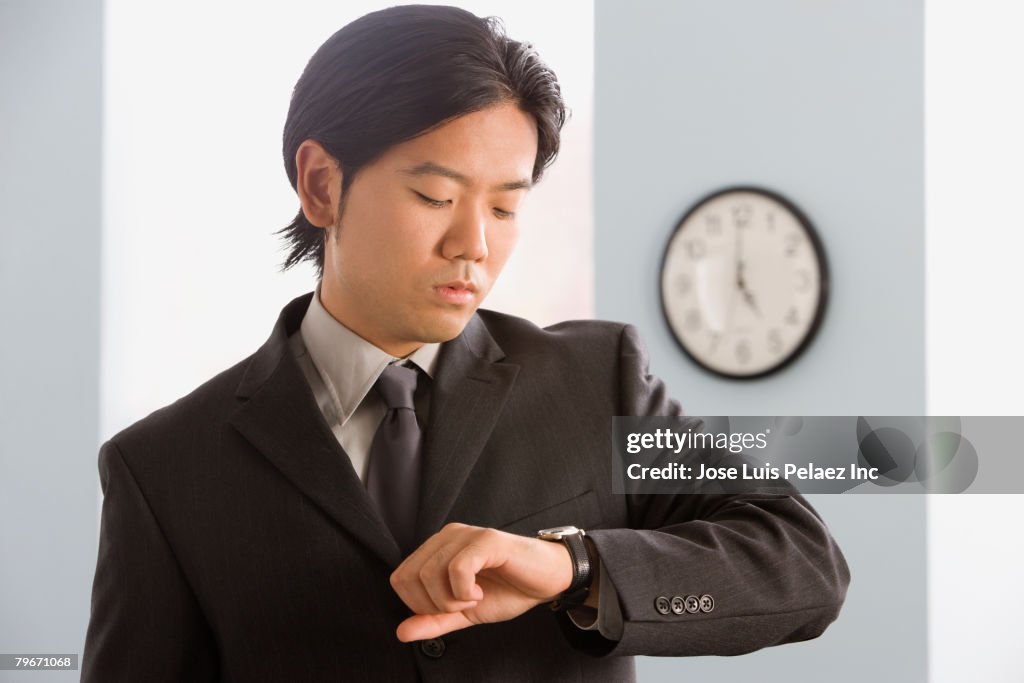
{"x": 390, "y": 245}
{"x": 501, "y": 242}
{"x": 409, "y": 255}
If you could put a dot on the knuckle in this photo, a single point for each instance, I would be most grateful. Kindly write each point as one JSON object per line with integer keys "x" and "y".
{"x": 459, "y": 576}
{"x": 489, "y": 535}
{"x": 400, "y": 580}
{"x": 461, "y": 561}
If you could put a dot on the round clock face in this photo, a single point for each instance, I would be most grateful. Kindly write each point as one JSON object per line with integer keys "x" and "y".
{"x": 744, "y": 282}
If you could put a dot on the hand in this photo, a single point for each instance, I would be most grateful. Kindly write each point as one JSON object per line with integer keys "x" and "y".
{"x": 466, "y": 575}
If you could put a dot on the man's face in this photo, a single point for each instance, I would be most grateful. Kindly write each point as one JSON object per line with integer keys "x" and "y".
{"x": 426, "y": 229}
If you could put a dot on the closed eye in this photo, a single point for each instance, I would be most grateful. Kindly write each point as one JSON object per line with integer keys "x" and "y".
{"x": 436, "y": 203}
{"x": 502, "y": 214}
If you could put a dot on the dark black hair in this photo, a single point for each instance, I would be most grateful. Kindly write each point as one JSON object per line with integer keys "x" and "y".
{"x": 395, "y": 74}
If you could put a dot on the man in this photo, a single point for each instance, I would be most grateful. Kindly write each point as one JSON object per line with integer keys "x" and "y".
{"x": 361, "y": 498}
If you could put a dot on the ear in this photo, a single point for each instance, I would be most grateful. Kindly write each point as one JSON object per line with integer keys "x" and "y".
{"x": 318, "y": 182}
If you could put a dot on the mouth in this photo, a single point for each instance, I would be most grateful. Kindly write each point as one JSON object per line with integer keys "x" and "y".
{"x": 456, "y": 292}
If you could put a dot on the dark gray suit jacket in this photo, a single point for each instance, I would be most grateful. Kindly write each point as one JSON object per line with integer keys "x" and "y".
{"x": 238, "y": 544}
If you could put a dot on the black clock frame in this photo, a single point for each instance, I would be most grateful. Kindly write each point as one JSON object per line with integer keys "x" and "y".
{"x": 823, "y": 272}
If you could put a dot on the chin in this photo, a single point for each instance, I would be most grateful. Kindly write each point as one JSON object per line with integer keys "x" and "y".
{"x": 444, "y": 328}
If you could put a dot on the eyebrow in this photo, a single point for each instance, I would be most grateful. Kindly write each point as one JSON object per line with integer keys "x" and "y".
{"x": 430, "y": 168}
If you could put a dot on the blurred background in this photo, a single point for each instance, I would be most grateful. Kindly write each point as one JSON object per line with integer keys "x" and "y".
{"x": 141, "y": 182}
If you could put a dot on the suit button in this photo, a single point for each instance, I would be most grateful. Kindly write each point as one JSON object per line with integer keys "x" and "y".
{"x": 432, "y": 648}
{"x": 707, "y": 603}
{"x": 661, "y": 604}
{"x": 692, "y": 604}
{"x": 678, "y": 606}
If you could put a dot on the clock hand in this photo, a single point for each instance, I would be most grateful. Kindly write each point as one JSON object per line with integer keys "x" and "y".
{"x": 739, "y": 261}
{"x": 739, "y": 280}
{"x": 748, "y": 296}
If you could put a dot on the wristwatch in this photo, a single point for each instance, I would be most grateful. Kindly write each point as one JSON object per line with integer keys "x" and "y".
{"x": 577, "y": 592}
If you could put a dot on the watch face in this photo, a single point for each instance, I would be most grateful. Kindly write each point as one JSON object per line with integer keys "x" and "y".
{"x": 744, "y": 282}
{"x": 557, "y": 532}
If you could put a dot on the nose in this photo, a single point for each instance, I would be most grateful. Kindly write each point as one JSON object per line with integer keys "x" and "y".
{"x": 466, "y": 237}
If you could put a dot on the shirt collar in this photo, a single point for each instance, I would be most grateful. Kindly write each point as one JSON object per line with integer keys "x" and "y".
{"x": 348, "y": 364}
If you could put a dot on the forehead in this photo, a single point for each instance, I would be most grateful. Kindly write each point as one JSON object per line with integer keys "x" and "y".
{"x": 496, "y": 145}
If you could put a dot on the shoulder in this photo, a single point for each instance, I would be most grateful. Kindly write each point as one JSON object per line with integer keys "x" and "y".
{"x": 519, "y": 337}
{"x": 516, "y": 334}
{"x": 597, "y": 357}
{"x": 191, "y": 418}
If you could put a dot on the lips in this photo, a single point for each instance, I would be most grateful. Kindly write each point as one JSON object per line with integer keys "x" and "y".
{"x": 458, "y": 285}
{"x": 456, "y": 292}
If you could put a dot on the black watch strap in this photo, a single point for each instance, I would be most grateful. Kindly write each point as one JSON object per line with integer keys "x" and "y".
{"x": 582, "y": 573}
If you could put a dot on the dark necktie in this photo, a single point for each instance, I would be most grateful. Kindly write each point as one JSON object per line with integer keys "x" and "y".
{"x": 393, "y": 474}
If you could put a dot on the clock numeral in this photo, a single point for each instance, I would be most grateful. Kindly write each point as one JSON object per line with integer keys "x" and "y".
{"x": 774, "y": 341}
{"x": 792, "y": 243}
{"x": 715, "y": 338}
{"x": 741, "y": 215}
{"x": 713, "y": 223}
{"x": 791, "y": 317}
{"x": 692, "y": 320}
{"x": 804, "y": 281}
{"x": 743, "y": 351}
{"x": 696, "y": 249}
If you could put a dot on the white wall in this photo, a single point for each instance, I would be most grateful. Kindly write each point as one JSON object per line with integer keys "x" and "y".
{"x": 196, "y": 95}
{"x": 975, "y": 326}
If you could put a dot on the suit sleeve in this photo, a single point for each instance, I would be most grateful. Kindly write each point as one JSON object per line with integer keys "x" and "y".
{"x": 145, "y": 623}
{"x": 769, "y": 562}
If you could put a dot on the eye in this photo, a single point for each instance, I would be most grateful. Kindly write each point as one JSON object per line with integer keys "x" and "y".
{"x": 503, "y": 214}
{"x": 436, "y": 203}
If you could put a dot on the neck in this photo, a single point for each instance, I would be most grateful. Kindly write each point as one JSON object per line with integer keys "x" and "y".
{"x": 334, "y": 303}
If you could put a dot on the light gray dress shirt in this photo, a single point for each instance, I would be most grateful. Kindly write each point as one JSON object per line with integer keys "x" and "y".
{"x": 342, "y": 367}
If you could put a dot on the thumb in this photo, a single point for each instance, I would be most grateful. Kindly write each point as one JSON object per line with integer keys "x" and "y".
{"x": 423, "y": 626}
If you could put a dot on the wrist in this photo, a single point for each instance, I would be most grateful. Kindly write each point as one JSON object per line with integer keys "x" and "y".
{"x": 574, "y": 541}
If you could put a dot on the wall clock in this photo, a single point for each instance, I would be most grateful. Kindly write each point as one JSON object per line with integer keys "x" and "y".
{"x": 744, "y": 282}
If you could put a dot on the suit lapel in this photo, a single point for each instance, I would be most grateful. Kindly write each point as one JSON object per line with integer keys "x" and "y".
{"x": 281, "y": 418}
{"x": 468, "y": 395}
